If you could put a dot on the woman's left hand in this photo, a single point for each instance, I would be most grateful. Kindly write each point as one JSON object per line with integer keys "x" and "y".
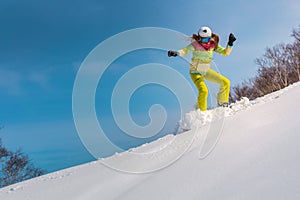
{"x": 232, "y": 38}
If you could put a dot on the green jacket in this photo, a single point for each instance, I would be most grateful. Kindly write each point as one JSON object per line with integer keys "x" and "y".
{"x": 202, "y": 55}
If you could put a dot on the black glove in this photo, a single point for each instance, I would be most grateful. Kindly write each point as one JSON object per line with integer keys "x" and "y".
{"x": 231, "y": 39}
{"x": 172, "y": 53}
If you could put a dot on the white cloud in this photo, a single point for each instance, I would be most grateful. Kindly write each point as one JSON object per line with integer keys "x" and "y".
{"x": 40, "y": 78}
{"x": 13, "y": 82}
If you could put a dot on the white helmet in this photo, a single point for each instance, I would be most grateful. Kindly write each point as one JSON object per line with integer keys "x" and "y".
{"x": 205, "y": 32}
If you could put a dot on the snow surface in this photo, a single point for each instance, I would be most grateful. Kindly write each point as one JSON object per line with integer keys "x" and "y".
{"x": 249, "y": 151}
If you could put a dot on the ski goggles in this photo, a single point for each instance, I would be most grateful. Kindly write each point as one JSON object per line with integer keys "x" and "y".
{"x": 205, "y": 39}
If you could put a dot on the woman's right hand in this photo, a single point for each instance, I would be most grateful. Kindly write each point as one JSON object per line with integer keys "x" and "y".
{"x": 172, "y": 53}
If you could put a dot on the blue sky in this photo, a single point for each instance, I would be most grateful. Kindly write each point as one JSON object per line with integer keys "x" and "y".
{"x": 43, "y": 43}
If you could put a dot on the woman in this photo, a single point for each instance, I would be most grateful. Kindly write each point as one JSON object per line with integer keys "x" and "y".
{"x": 203, "y": 46}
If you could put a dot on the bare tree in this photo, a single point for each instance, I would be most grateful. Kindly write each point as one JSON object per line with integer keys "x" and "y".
{"x": 278, "y": 68}
{"x": 296, "y": 34}
{"x": 294, "y": 53}
{"x": 15, "y": 167}
{"x": 246, "y": 89}
{"x": 293, "y": 62}
{"x": 276, "y": 59}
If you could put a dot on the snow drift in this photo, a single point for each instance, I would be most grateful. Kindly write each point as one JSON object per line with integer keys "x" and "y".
{"x": 254, "y": 156}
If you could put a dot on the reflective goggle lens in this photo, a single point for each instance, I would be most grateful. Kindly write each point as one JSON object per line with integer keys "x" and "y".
{"x": 205, "y": 40}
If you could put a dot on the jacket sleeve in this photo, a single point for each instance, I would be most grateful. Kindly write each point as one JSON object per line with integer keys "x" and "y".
{"x": 186, "y": 50}
{"x": 224, "y": 51}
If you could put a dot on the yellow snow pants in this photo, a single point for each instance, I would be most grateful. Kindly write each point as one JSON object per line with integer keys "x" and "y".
{"x": 215, "y": 77}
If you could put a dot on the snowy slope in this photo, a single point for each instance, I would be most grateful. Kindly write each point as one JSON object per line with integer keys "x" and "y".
{"x": 255, "y": 157}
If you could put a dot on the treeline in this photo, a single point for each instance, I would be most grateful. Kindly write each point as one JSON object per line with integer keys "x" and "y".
{"x": 278, "y": 68}
{"x": 15, "y": 167}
